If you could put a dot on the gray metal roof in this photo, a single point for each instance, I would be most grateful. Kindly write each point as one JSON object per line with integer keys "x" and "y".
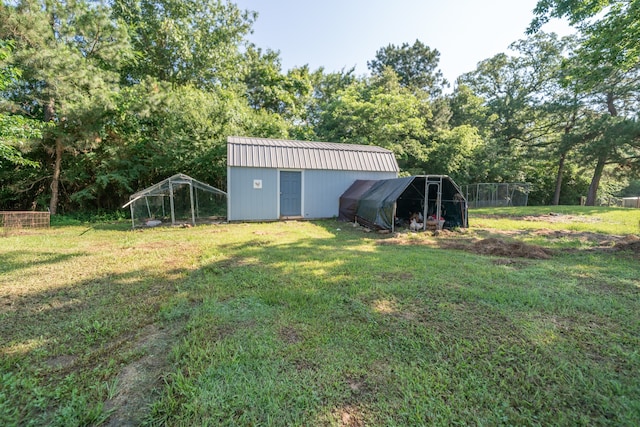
{"x": 288, "y": 154}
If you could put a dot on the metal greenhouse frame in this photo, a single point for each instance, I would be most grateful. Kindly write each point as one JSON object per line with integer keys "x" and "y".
{"x": 179, "y": 199}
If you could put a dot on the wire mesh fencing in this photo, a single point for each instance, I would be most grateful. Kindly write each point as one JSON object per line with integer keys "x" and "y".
{"x": 497, "y": 194}
{"x": 15, "y": 220}
{"x": 183, "y": 204}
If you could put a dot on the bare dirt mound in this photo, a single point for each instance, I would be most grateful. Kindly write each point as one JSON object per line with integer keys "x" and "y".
{"x": 489, "y": 246}
{"x": 561, "y": 218}
{"x": 583, "y": 236}
{"x": 138, "y": 380}
{"x": 498, "y": 247}
{"x": 629, "y": 243}
{"x": 511, "y": 246}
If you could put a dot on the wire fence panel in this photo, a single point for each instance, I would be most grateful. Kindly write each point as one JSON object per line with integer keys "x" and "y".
{"x": 183, "y": 204}
{"x": 27, "y": 219}
{"x": 497, "y": 194}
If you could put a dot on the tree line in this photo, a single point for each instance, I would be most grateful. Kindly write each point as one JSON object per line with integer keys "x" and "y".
{"x": 99, "y": 99}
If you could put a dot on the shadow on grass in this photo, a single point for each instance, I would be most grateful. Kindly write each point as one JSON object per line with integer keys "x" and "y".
{"x": 17, "y": 260}
{"x": 79, "y": 347}
{"x": 110, "y": 226}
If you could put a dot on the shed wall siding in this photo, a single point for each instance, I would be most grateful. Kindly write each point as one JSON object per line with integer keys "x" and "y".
{"x": 322, "y": 190}
{"x": 247, "y": 203}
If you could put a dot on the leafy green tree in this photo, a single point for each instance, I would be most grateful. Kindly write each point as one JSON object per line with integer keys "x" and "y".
{"x": 160, "y": 130}
{"x": 264, "y": 80}
{"x": 195, "y": 126}
{"x": 467, "y": 108}
{"x": 454, "y": 152}
{"x": 606, "y": 73}
{"x": 380, "y": 112}
{"x": 193, "y": 42}
{"x": 537, "y": 112}
{"x": 507, "y": 98}
{"x": 609, "y": 99}
{"x": 15, "y": 130}
{"x": 612, "y": 38}
{"x": 612, "y": 140}
{"x": 632, "y": 189}
{"x": 326, "y": 89}
{"x": 267, "y": 88}
{"x": 68, "y": 52}
{"x": 416, "y": 66}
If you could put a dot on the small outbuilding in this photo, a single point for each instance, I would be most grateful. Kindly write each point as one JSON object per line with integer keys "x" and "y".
{"x": 388, "y": 203}
{"x": 272, "y": 179}
{"x": 178, "y": 199}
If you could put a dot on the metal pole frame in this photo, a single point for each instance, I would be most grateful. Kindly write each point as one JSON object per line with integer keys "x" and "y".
{"x": 425, "y": 203}
{"x": 438, "y": 201}
{"x": 439, "y": 205}
{"x": 173, "y": 214}
{"x": 193, "y": 214}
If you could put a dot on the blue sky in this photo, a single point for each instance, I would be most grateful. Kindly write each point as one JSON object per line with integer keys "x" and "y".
{"x": 338, "y": 34}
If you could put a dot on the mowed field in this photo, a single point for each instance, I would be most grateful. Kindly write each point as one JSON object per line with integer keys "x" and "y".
{"x": 530, "y": 317}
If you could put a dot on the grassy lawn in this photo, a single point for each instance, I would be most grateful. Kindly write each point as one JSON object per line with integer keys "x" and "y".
{"x": 322, "y": 324}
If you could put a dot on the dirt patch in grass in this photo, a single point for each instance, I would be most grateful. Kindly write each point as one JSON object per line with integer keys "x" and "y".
{"x": 289, "y": 335}
{"x": 598, "y": 239}
{"x": 213, "y": 230}
{"x": 552, "y": 217}
{"x": 510, "y": 262}
{"x": 498, "y": 247}
{"x": 560, "y": 218}
{"x": 349, "y": 416}
{"x": 629, "y": 243}
{"x": 228, "y": 264}
{"x": 489, "y": 246}
{"x": 137, "y": 381}
{"x": 63, "y": 361}
{"x": 603, "y": 242}
{"x": 304, "y": 365}
{"x": 583, "y": 236}
{"x": 269, "y": 233}
{"x": 384, "y": 306}
{"x": 402, "y": 240}
{"x": 505, "y": 243}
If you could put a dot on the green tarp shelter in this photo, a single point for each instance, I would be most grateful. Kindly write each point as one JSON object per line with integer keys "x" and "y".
{"x": 386, "y": 203}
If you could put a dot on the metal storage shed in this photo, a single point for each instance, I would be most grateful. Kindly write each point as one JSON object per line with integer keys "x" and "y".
{"x": 271, "y": 179}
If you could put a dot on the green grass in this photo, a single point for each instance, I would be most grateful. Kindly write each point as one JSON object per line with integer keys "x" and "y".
{"x": 574, "y": 218}
{"x": 318, "y": 323}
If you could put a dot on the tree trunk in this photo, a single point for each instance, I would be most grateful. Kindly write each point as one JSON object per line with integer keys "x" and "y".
{"x": 563, "y": 157}
{"x": 556, "y": 195}
{"x": 602, "y": 158}
{"x": 49, "y": 116}
{"x": 55, "y": 181}
{"x": 595, "y": 181}
{"x": 611, "y": 106}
